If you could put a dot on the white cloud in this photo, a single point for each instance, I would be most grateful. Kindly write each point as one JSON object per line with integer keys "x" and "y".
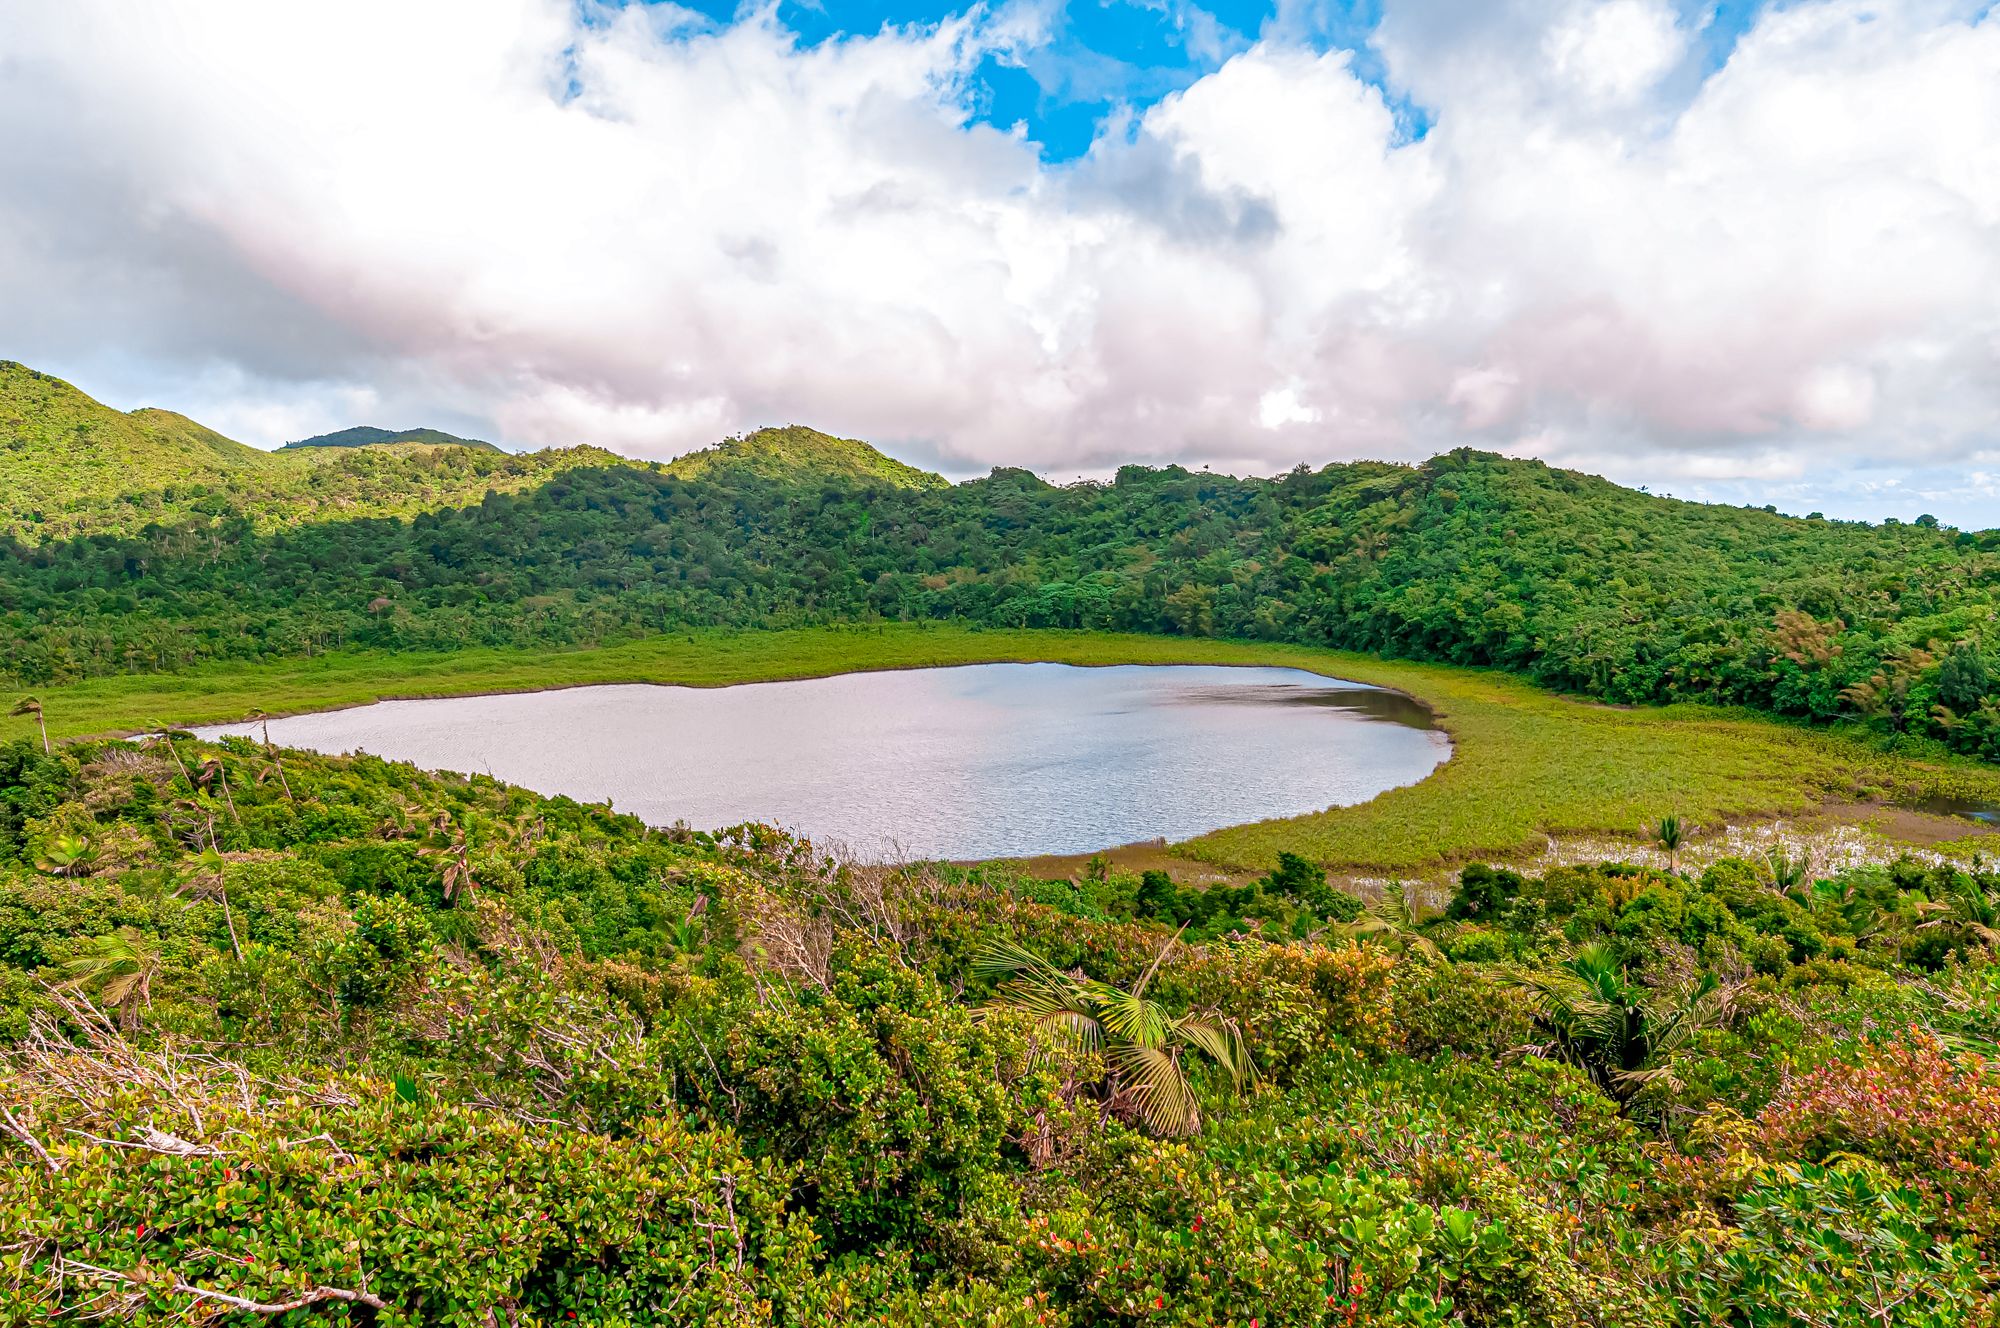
{"x": 635, "y": 228}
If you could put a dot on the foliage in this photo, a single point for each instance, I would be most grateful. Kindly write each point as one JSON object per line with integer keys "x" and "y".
{"x": 1141, "y": 1042}
{"x": 362, "y": 435}
{"x": 1524, "y": 764}
{"x": 651, "y": 1076}
{"x": 146, "y": 544}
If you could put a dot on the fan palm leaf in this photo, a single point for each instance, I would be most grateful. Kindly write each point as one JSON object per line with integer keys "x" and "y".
{"x": 1142, "y": 1043}
{"x": 120, "y": 966}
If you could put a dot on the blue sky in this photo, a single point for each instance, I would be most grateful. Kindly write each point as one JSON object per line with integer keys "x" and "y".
{"x": 1104, "y": 56}
{"x": 1741, "y": 250}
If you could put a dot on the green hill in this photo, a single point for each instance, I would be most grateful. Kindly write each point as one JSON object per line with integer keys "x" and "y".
{"x": 69, "y": 463}
{"x": 1470, "y": 558}
{"x": 71, "y": 466}
{"x": 795, "y": 453}
{"x": 363, "y": 435}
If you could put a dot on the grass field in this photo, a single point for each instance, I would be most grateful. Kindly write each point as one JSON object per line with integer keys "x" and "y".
{"x": 1525, "y": 764}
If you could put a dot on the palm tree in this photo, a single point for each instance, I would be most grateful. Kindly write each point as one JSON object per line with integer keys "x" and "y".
{"x": 1392, "y": 917}
{"x": 28, "y": 705}
{"x": 1968, "y": 909}
{"x": 271, "y": 751}
{"x": 1668, "y": 835}
{"x": 1622, "y": 1032}
{"x": 120, "y": 966}
{"x": 1788, "y": 873}
{"x": 68, "y": 855}
{"x": 211, "y": 862}
{"x": 211, "y": 773}
{"x": 1141, "y": 1042}
{"x": 447, "y": 841}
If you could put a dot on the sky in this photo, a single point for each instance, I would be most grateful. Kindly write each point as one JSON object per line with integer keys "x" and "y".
{"x": 1743, "y": 252}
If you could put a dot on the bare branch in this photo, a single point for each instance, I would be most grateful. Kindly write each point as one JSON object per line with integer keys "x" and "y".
{"x": 21, "y": 1132}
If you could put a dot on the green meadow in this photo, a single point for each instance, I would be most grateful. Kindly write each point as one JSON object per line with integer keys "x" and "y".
{"x": 1526, "y": 764}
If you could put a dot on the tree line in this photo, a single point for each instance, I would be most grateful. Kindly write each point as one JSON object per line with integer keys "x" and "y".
{"x": 1470, "y": 558}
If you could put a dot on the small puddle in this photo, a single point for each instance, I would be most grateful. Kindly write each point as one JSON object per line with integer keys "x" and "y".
{"x": 1968, "y": 809}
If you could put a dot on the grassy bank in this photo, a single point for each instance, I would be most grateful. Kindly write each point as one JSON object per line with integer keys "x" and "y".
{"x": 1526, "y": 763}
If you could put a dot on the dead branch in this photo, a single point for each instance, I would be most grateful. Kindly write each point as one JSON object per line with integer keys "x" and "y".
{"x": 65, "y": 1265}
{"x": 21, "y": 1132}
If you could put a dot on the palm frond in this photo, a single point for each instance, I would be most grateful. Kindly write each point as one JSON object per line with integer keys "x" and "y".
{"x": 1223, "y": 1042}
{"x": 1157, "y": 1087}
{"x": 1158, "y": 959}
{"x": 1129, "y": 1015}
{"x": 998, "y": 960}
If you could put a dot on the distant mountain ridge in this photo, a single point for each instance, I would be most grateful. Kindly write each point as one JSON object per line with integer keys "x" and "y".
{"x": 202, "y": 549}
{"x": 795, "y": 451}
{"x": 366, "y": 435}
{"x": 71, "y": 465}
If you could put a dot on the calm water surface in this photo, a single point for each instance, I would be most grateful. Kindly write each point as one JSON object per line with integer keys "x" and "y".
{"x": 988, "y": 760}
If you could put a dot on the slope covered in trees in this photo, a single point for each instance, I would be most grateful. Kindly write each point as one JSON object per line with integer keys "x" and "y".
{"x": 365, "y": 435}
{"x": 69, "y": 463}
{"x": 1470, "y": 558}
{"x": 287, "y": 1037}
{"x": 794, "y": 455}
{"x": 70, "y": 466}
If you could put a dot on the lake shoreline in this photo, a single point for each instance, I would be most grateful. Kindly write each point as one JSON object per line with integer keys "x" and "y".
{"x": 1526, "y": 763}
{"x": 978, "y": 761}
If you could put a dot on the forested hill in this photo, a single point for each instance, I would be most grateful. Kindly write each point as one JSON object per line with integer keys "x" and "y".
{"x": 363, "y": 435}
{"x": 1468, "y": 558}
{"x": 70, "y": 466}
{"x": 794, "y": 455}
{"x": 66, "y": 460}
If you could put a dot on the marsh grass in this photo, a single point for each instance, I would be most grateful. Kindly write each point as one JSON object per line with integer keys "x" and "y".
{"x": 1526, "y": 764}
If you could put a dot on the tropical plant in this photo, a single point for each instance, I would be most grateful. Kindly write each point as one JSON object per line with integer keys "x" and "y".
{"x": 1141, "y": 1042}
{"x": 1667, "y": 834}
{"x": 263, "y": 721}
{"x": 68, "y": 855}
{"x": 447, "y": 842}
{"x": 1966, "y": 909}
{"x": 1622, "y": 1032}
{"x": 1788, "y": 870}
{"x": 1836, "y": 902}
{"x": 211, "y": 864}
{"x": 1394, "y": 918}
{"x": 692, "y": 929}
{"x": 119, "y": 967}
{"x": 28, "y": 705}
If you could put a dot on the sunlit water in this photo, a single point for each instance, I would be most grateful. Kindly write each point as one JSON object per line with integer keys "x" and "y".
{"x": 988, "y": 760}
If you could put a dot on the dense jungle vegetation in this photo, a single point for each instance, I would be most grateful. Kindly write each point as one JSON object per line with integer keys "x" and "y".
{"x": 366, "y": 435}
{"x": 289, "y": 1038}
{"x": 70, "y": 466}
{"x": 1470, "y": 558}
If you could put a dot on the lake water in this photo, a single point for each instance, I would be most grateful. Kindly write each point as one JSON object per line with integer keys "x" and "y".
{"x": 987, "y": 760}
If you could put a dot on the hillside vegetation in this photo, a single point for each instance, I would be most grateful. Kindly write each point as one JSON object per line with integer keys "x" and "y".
{"x": 286, "y": 1038}
{"x": 1525, "y": 765}
{"x": 794, "y": 456}
{"x": 289, "y": 1038}
{"x": 1469, "y": 558}
{"x": 68, "y": 463}
{"x": 363, "y": 435}
{"x": 71, "y": 466}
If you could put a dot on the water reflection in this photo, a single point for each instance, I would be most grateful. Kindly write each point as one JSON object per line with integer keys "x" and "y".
{"x": 1984, "y": 812}
{"x": 1373, "y": 702}
{"x": 986, "y": 760}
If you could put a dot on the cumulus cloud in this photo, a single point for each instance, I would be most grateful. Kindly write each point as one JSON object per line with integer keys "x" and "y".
{"x": 557, "y": 222}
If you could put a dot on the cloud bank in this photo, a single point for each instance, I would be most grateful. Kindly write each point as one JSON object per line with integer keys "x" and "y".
{"x": 1775, "y": 277}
